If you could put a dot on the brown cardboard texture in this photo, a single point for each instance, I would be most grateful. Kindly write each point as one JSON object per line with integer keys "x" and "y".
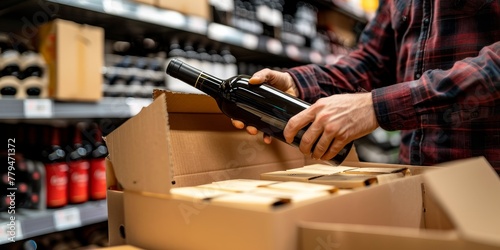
{"x": 200, "y": 8}
{"x": 191, "y": 144}
{"x": 74, "y": 56}
{"x": 460, "y": 203}
{"x": 194, "y": 143}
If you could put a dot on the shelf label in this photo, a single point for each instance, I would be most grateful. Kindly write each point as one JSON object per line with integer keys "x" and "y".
{"x": 137, "y": 104}
{"x": 38, "y": 108}
{"x": 250, "y": 41}
{"x": 67, "y": 218}
{"x": 197, "y": 24}
{"x": 274, "y": 46}
{"x": 10, "y": 231}
{"x": 114, "y": 7}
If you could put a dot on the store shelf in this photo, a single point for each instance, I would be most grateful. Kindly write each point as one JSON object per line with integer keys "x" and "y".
{"x": 123, "y": 18}
{"x": 32, "y": 223}
{"x": 108, "y": 107}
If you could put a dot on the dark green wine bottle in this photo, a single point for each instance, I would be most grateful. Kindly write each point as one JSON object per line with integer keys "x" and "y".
{"x": 261, "y": 106}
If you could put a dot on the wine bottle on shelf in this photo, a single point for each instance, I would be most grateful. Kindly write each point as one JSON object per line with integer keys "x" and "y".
{"x": 9, "y": 73}
{"x": 262, "y": 106}
{"x": 56, "y": 169}
{"x": 97, "y": 172}
{"x": 175, "y": 51}
{"x": 231, "y": 69}
{"x": 78, "y": 176}
{"x": 33, "y": 78}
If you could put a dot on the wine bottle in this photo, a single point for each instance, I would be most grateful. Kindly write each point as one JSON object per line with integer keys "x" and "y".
{"x": 262, "y": 106}
{"x": 78, "y": 171}
{"x": 56, "y": 169}
{"x": 97, "y": 173}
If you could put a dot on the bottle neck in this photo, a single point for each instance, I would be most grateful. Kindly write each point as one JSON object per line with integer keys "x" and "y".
{"x": 205, "y": 82}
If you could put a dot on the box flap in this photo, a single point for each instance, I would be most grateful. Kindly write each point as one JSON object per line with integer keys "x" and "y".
{"x": 178, "y": 102}
{"x": 140, "y": 168}
{"x": 468, "y": 191}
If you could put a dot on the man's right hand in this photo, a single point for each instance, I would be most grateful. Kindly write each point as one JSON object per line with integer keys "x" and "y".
{"x": 280, "y": 80}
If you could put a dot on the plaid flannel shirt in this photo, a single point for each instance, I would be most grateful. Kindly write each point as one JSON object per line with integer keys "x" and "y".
{"x": 433, "y": 67}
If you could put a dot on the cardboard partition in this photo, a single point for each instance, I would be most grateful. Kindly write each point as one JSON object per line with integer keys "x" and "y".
{"x": 460, "y": 203}
{"x": 74, "y": 56}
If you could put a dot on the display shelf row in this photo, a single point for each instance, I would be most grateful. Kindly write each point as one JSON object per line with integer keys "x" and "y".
{"x": 123, "y": 18}
{"x": 28, "y": 223}
{"x": 108, "y": 107}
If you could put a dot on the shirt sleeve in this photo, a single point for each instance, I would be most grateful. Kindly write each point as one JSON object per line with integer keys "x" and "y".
{"x": 370, "y": 65}
{"x": 445, "y": 96}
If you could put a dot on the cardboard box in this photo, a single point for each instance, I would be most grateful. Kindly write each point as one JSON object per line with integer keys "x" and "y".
{"x": 74, "y": 54}
{"x": 184, "y": 140}
{"x": 200, "y": 8}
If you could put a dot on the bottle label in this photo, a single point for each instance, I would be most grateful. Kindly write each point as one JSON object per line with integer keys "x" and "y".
{"x": 97, "y": 181}
{"x": 57, "y": 183}
{"x": 78, "y": 181}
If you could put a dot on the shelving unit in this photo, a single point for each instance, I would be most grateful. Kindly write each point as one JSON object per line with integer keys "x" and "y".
{"x": 108, "y": 107}
{"x": 136, "y": 18}
{"x": 123, "y": 19}
{"x": 32, "y": 223}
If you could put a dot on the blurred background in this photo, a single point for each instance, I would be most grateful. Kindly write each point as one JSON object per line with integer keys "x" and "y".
{"x": 73, "y": 71}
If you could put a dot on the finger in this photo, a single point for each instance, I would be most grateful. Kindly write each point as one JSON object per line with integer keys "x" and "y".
{"x": 337, "y": 145}
{"x": 297, "y": 122}
{"x": 322, "y": 146}
{"x": 267, "y": 138}
{"x": 252, "y": 130}
{"x": 259, "y": 76}
{"x": 237, "y": 124}
{"x": 309, "y": 138}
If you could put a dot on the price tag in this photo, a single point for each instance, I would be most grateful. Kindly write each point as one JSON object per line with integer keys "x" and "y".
{"x": 10, "y": 231}
{"x": 137, "y": 104}
{"x": 38, "y": 108}
{"x": 147, "y": 13}
{"x": 250, "y": 41}
{"x": 67, "y": 218}
{"x": 197, "y": 24}
{"x": 315, "y": 57}
{"x": 114, "y": 7}
{"x": 274, "y": 46}
{"x": 292, "y": 51}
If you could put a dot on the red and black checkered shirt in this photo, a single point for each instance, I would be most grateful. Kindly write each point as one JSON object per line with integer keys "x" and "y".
{"x": 433, "y": 68}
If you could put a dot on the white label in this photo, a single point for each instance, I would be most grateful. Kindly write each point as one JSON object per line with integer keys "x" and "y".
{"x": 147, "y": 13}
{"x": 250, "y": 41}
{"x": 38, "y": 108}
{"x": 274, "y": 46}
{"x": 67, "y": 218}
{"x": 114, "y": 7}
{"x": 10, "y": 231}
{"x": 197, "y": 24}
{"x": 292, "y": 51}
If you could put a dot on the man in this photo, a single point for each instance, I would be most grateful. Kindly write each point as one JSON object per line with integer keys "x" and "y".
{"x": 428, "y": 68}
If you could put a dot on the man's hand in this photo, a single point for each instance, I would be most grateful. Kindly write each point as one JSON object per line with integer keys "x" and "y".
{"x": 280, "y": 80}
{"x": 336, "y": 120}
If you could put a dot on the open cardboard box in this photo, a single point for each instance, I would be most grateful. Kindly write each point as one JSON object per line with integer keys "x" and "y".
{"x": 184, "y": 140}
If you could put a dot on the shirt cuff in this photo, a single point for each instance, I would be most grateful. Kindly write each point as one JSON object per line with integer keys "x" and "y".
{"x": 394, "y": 107}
